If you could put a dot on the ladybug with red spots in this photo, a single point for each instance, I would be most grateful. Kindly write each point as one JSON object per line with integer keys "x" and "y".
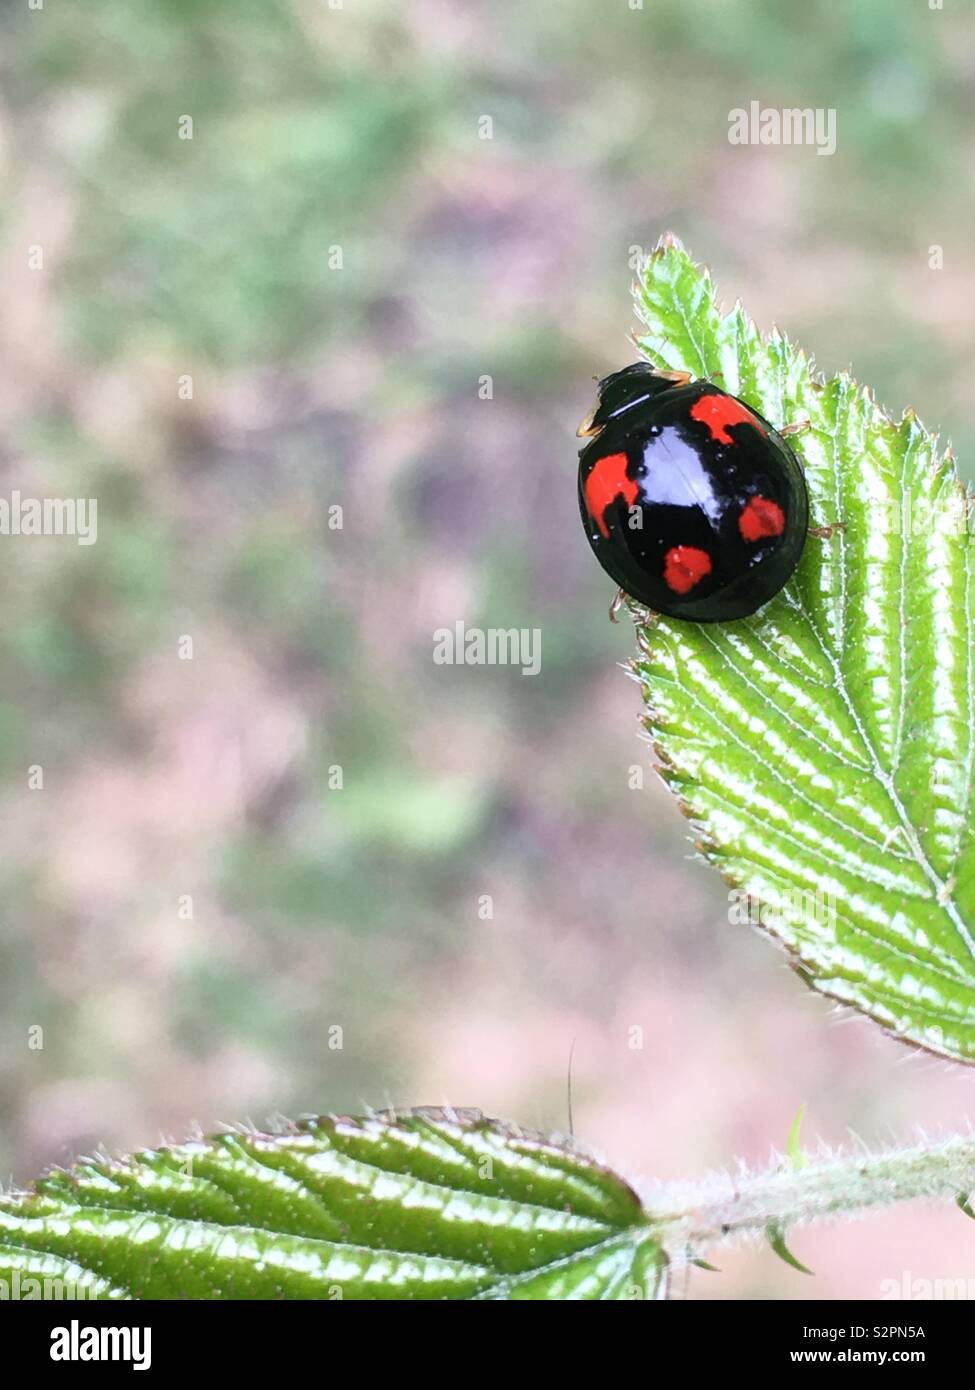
{"x": 691, "y": 501}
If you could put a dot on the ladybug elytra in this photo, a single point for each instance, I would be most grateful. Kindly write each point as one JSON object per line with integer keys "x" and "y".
{"x": 691, "y": 501}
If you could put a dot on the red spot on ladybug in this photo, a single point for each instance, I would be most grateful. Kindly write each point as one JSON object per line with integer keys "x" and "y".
{"x": 761, "y": 518}
{"x": 718, "y": 412}
{"x": 605, "y": 483}
{"x": 684, "y": 567}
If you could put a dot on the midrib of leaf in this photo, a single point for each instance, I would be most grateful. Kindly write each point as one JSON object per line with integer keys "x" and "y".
{"x": 804, "y": 742}
{"x": 895, "y": 656}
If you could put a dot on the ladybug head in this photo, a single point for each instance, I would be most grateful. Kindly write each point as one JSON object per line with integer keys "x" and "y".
{"x": 624, "y": 389}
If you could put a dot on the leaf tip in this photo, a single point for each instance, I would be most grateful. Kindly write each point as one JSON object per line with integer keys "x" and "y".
{"x": 669, "y": 241}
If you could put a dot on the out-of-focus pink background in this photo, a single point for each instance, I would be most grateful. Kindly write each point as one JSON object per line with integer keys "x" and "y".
{"x": 335, "y": 261}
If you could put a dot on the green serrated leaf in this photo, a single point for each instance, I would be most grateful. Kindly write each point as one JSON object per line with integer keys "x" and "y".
{"x": 964, "y": 1202}
{"x": 824, "y": 748}
{"x": 430, "y": 1204}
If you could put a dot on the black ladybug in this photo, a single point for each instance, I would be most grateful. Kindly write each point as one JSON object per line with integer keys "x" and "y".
{"x": 691, "y": 501}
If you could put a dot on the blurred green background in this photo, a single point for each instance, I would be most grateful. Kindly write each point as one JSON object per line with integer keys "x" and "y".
{"x": 336, "y": 259}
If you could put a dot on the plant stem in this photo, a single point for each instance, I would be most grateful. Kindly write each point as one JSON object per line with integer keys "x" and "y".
{"x": 726, "y": 1206}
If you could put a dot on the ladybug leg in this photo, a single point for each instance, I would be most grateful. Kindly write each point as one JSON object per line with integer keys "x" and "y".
{"x": 587, "y": 429}
{"x": 642, "y": 617}
{"x": 678, "y": 378}
{"x": 796, "y": 427}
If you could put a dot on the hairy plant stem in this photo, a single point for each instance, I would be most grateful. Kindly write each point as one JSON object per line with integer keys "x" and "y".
{"x": 727, "y": 1206}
